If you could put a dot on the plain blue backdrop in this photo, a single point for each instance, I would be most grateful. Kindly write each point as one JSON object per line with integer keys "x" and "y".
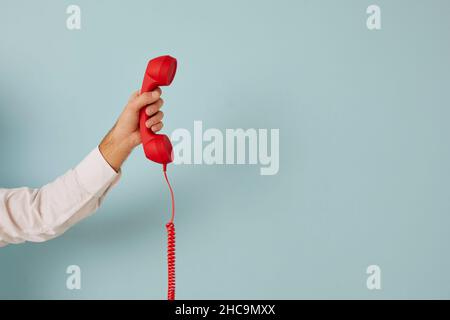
{"x": 364, "y": 153}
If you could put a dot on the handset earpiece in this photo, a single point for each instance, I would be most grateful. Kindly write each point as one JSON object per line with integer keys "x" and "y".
{"x": 160, "y": 72}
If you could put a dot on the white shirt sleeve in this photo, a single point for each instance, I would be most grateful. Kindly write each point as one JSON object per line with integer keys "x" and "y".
{"x": 41, "y": 214}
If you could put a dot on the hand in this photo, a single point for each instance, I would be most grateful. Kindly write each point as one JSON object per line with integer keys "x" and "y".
{"x": 124, "y": 136}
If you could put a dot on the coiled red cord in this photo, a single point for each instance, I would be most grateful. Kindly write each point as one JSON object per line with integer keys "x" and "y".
{"x": 170, "y": 246}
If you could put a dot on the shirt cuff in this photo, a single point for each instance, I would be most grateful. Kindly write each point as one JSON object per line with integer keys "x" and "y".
{"x": 95, "y": 175}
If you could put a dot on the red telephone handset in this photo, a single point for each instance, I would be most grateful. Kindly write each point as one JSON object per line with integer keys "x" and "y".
{"x": 157, "y": 147}
{"x": 160, "y": 72}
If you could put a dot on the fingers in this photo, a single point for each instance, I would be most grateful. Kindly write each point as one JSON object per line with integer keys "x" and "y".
{"x": 152, "y": 103}
{"x": 157, "y": 127}
{"x": 155, "y": 120}
{"x": 144, "y": 99}
{"x": 156, "y": 116}
{"x": 154, "y": 107}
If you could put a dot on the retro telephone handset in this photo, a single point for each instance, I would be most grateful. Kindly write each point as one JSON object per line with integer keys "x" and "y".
{"x": 158, "y": 148}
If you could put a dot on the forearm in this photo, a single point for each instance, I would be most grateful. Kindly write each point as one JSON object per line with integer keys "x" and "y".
{"x": 41, "y": 214}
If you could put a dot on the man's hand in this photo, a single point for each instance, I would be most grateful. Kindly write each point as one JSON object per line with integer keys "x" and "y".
{"x": 124, "y": 136}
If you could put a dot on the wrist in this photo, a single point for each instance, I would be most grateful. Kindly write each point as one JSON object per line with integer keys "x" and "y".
{"x": 114, "y": 150}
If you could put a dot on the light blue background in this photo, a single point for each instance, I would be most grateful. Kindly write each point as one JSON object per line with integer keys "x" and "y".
{"x": 363, "y": 117}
